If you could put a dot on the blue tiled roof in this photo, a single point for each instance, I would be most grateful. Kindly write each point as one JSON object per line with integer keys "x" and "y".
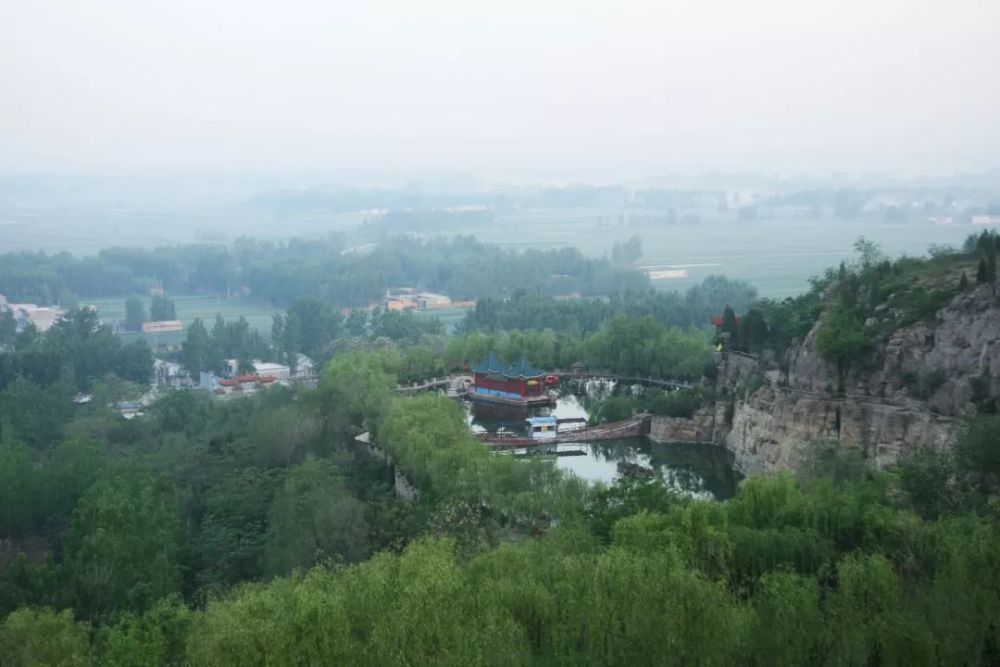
{"x": 489, "y": 365}
{"x": 521, "y": 369}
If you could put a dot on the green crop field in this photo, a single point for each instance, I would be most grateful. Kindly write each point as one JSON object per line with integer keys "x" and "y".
{"x": 778, "y": 256}
{"x": 449, "y": 316}
{"x": 190, "y": 307}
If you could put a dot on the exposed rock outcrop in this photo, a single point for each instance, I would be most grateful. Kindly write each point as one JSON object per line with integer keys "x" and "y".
{"x": 910, "y": 394}
{"x": 700, "y": 428}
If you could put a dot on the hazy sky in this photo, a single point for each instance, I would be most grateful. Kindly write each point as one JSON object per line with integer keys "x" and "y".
{"x": 616, "y": 86}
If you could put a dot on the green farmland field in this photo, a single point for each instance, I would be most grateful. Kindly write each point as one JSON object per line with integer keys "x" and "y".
{"x": 449, "y": 316}
{"x": 190, "y": 307}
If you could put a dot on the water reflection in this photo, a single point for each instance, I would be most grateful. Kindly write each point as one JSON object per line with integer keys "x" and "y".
{"x": 702, "y": 471}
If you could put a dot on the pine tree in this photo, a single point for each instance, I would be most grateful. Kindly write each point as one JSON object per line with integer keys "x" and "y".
{"x": 730, "y": 325}
{"x": 162, "y": 308}
{"x": 135, "y": 313}
{"x": 982, "y": 274}
{"x": 963, "y": 283}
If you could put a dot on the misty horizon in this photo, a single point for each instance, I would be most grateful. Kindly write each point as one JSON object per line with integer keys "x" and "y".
{"x": 546, "y": 92}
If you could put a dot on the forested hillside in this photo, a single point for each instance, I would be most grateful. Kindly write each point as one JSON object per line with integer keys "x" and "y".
{"x": 257, "y": 532}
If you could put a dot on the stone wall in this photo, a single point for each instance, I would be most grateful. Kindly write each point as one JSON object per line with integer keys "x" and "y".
{"x": 405, "y": 490}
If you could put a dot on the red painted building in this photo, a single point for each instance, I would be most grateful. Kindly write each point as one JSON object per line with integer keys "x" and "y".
{"x": 518, "y": 384}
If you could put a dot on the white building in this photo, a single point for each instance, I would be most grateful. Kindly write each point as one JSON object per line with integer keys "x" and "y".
{"x": 269, "y": 369}
{"x": 261, "y": 368}
{"x": 162, "y": 326}
{"x": 304, "y": 366}
{"x": 42, "y": 317}
{"x": 170, "y": 374}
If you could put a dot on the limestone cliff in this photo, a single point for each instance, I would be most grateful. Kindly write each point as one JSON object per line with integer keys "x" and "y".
{"x": 909, "y": 394}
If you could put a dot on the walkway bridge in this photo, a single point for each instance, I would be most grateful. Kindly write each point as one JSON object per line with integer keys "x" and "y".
{"x": 455, "y": 385}
{"x": 627, "y": 428}
{"x": 605, "y": 374}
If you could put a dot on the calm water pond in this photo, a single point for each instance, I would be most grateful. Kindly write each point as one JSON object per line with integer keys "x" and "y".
{"x": 703, "y": 471}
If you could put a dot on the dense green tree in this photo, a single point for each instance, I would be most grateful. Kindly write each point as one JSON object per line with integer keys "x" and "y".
{"x": 713, "y": 295}
{"x": 124, "y": 546}
{"x": 135, "y": 313}
{"x": 730, "y": 327}
{"x": 842, "y": 339}
{"x": 89, "y": 347}
{"x": 162, "y": 308}
{"x": 315, "y": 626}
{"x": 28, "y": 583}
{"x": 529, "y": 309}
{"x": 356, "y": 323}
{"x": 403, "y": 325}
{"x": 232, "y": 535}
{"x": 33, "y": 414}
{"x": 30, "y": 637}
{"x": 927, "y": 477}
{"x": 67, "y": 472}
{"x": 753, "y": 332}
{"x": 613, "y": 409}
{"x": 157, "y": 637}
{"x": 356, "y": 388}
{"x": 8, "y": 328}
{"x": 135, "y": 363}
{"x": 318, "y": 325}
{"x": 627, "y": 253}
{"x": 289, "y": 343}
{"x": 789, "y": 620}
{"x": 860, "y": 610}
{"x": 978, "y": 451}
{"x": 76, "y": 352}
{"x": 198, "y": 354}
{"x": 313, "y": 519}
{"x": 183, "y": 410}
{"x": 625, "y": 345}
{"x": 869, "y": 253}
{"x": 20, "y": 488}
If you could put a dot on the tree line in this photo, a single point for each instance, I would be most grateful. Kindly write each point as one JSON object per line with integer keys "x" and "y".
{"x": 533, "y": 310}
{"x": 280, "y": 272}
{"x": 40, "y": 373}
{"x": 160, "y": 308}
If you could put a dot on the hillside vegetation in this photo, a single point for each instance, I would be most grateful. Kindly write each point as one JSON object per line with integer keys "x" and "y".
{"x": 256, "y": 532}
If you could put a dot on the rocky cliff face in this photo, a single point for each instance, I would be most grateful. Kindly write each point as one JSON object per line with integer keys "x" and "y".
{"x": 910, "y": 394}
